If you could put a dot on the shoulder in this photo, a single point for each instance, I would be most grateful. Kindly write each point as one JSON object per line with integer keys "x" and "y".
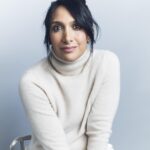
{"x": 101, "y": 53}
{"x": 104, "y": 61}
{"x": 105, "y": 56}
{"x": 34, "y": 71}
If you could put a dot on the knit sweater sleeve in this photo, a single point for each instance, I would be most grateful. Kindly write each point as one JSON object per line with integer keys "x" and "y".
{"x": 45, "y": 124}
{"x": 103, "y": 110}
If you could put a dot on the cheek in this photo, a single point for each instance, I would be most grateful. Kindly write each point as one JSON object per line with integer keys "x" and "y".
{"x": 54, "y": 38}
{"x": 81, "y": 37}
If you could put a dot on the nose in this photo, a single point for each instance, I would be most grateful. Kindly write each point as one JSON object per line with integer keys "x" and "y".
{"x": 67, "y": 36}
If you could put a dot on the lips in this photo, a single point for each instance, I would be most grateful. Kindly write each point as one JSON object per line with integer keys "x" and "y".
{"x": 69, "y": 49}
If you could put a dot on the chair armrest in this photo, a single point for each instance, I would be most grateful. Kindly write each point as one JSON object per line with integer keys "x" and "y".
{"x": 20, "y": 140}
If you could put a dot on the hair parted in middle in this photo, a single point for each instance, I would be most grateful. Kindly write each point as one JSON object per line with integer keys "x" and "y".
{"x": 80, "y": 12}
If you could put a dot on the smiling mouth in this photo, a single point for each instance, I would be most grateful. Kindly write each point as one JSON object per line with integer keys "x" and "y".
{"x": 69, "y": 49}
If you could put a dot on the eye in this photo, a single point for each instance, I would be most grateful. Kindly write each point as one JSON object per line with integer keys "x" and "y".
{"x": 76, "y": 27}
{"x": 56, "y": 28}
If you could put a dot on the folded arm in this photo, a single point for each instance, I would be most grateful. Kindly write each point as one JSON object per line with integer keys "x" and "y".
{"x": 44, "y": 121}
{"x": 104, "y": 107}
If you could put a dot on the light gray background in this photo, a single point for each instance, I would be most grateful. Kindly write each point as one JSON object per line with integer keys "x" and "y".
{"x": 125, "y": 30}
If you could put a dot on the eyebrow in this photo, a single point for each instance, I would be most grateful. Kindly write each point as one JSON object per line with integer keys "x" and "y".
{"x": 56, "y": 22}
{"x": 61, "y": 23}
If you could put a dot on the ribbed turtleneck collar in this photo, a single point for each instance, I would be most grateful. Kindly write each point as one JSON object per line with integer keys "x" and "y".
{"x": 67, "y": 67}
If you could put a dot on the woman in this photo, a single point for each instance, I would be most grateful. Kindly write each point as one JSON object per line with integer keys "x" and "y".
{"x": 71, "y": 96}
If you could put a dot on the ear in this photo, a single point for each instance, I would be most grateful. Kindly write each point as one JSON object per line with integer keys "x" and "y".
{"x": 88, "y": 39}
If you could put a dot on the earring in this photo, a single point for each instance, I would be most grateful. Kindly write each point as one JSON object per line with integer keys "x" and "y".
{"x": 50, "y": 46}
{"x": 88, "y": 40}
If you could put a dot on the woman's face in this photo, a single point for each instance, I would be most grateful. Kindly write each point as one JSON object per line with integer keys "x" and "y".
{"x": 68, "y": 40}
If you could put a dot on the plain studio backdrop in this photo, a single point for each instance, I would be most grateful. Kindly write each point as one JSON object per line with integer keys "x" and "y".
{"x": 125, "y": 29}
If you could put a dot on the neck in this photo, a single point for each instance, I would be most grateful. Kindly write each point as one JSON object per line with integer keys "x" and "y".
{"x": 69, "y": 67}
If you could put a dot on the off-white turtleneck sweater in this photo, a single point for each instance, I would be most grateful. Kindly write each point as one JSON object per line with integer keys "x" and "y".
{"x": 71, "y": 105}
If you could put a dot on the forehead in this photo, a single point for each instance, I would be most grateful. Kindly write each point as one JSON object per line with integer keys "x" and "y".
{"x": 62, "y": 14}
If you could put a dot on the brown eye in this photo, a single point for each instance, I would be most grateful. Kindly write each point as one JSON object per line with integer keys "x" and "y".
{"x": 56, "y": 28}
{"x": 76, "y": 27}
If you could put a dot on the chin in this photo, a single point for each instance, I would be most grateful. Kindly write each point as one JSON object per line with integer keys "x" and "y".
{"x": 71, "y": 58}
